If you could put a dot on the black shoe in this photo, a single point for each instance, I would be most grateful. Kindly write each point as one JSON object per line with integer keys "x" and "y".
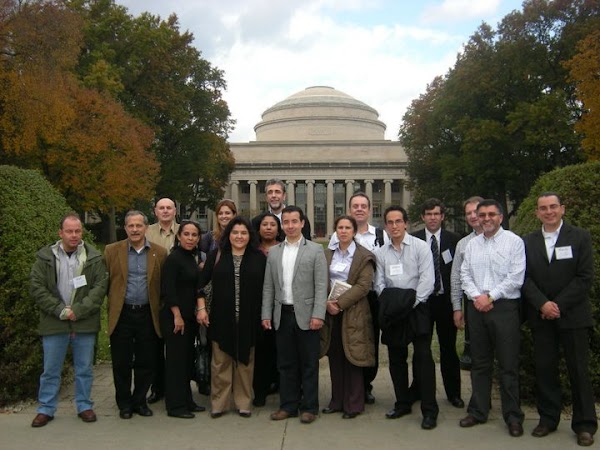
{"x": 216, "y": 415}
{"x": 155, "y": 397}
{"x": 125, "y": 414}
{"x": 396, "y": 413}
{"x": 457, "y": 402}
{"x": 330, "y": 410}
{"x": 369, "y": 398}
{"x": 181, "y": 414}
{"x": 350, "y": 415}
{"x": 542, "y": 430}
{"x": 196, "y": 408}
{"x": 429, "y": 423}
{"x": 259, "y": 401}
{"x": 245, "y": 414}
{"x": 143, "y": 410}
{"x": 515, "y": 429}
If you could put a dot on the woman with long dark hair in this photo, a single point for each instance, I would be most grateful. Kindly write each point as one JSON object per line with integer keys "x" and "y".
{"x": 236, "y": 270}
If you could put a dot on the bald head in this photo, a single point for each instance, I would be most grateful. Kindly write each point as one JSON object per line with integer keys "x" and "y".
{"x": 165, "y": 211}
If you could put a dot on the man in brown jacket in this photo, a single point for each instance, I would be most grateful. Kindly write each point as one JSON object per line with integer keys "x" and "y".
{"x": 134, "y": 266}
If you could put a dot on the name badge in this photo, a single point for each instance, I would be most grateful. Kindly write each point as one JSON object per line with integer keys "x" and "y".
{"x": 79, "y": 281}
{"x": 564, "y": 252}
{"x": 339, "y": 267}
{"x": 396, "y": 269}
{"x": 447, "y": 256}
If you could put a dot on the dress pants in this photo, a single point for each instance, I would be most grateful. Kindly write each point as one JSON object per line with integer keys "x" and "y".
{"x": 347, "y": 385}
{"x": 298, "y": 363}
{"x": 179, "y": 362}
{"x": 497, "y": 331}
{"x": 132, "y": 347}
{"x": 369, "y": 373}
{"x": 265, "y": 364}
{"x": 423, "y": 369}
{"x": 228, "y": 377}
{"x": 575, "y": 342}
{"x": 158, "y": 383}
{"x": 440, "y": 309}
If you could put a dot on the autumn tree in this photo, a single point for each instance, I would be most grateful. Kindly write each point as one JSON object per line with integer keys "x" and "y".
{"x": 161, "y": 78}
{"x": 584, "y": 70}
{"x": 82, "y": 140}
{"x": 504, "y": 113}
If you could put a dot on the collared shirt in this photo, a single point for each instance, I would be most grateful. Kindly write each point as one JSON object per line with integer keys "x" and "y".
{"x": 341, "y": 262}
{"x": 494, "y": 265}
{"x": 366, "y": 239}
{"x": 409, "y": 268}
{"x": 165, "y": 239}
{"x": 137, "y": 282}
{"x": 550, "y": 238}
{"x": 288, "y": 262}
{"x": 67, "y": 268}
{"x": 456, "y": 290}
{"x": 438, "y": 236}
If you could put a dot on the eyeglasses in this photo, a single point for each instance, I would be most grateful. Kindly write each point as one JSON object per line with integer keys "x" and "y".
{"x": 392, "y": 223}
{"x": 491, "y": 215}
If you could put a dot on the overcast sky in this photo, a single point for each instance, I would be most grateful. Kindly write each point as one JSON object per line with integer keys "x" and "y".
{"x": 381, "y": 52}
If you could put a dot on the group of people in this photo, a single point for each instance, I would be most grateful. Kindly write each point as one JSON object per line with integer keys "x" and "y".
{"x": 273, "y": 302}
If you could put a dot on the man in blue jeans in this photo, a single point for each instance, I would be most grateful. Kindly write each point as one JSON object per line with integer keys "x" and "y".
{"x": 68, "y": 282}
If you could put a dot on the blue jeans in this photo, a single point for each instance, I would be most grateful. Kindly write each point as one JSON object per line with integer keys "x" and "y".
{"x": 55, "y": 349}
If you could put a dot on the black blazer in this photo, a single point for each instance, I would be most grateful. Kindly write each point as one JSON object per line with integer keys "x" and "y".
{"x": 566, "y": 281}
{"x": 448, "y": 241}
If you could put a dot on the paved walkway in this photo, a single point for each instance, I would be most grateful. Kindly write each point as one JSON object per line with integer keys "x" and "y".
{"x": 371, "y": 430}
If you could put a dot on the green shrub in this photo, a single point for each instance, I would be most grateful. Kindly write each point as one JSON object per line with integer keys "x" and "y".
{"x": 579, "y": 189}
{"x": 30, "y": 213}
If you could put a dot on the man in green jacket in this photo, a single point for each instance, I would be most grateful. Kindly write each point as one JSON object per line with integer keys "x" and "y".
{"x": 68, "y": 283}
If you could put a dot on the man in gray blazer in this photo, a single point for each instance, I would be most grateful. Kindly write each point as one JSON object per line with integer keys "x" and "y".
{"x": 294, "y": 299}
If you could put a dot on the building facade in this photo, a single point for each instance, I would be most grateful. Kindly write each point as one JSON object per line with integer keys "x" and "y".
{"x": 324, "y": 145}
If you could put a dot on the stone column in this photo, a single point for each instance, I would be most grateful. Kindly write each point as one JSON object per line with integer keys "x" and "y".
{"x": 349, "y": 189}
{"x": 290, "y": 198}
{"x": 387, "y": 196}
{"x": 369, "y": 192}
{"x": 253, "y": 199}
{"x": 330, "y": 207}
{"x": 234, "y": 185}
{"x": 310, "y": 203}
{"x": 405, "y": 195}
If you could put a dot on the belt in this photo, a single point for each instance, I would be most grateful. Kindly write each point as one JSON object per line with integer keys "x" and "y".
{"x": 135, "y": 307}
{"x": 287, "y": 308}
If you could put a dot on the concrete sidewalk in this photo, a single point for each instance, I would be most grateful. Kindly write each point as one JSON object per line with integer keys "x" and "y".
{"x": 369, "y": 430}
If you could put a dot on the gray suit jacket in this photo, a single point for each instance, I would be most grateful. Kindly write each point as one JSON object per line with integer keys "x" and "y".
{"x": 309, "y": 286}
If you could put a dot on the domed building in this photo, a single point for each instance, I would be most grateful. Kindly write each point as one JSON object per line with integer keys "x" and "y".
{"x": 325, "y": 145}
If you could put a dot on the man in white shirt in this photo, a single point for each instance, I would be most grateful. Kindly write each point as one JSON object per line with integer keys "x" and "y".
{"x": 492, "y": 274}
{"x": 372, "y": 238}
{"x": 407, "y": 263}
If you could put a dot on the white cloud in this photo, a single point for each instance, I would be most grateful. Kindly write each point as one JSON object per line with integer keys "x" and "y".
{"x": 459, "y": 10}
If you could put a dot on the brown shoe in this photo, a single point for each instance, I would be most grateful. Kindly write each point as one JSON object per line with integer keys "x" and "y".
{"x": 307, "y": 417}
{"x": 585, "y": 439}
{"x": 41, "y": 420}
{"x": 282, "y": 414}
{"x": 542, "y": 430}
{"x": 469, "y": 421}
{"x": 88, "y": 415}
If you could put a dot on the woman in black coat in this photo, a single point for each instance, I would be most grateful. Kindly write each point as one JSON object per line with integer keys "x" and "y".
{"x": 236, "y": 270}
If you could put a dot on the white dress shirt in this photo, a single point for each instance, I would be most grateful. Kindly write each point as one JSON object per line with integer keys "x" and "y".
{"x": 288, "y": 261}
{"x": 550, "y": 238}
{"x": 366, "y": 239}
{"x": 494, "y": 266}
{"x": 456, "y": 290}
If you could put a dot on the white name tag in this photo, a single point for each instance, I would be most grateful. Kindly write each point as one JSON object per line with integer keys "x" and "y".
{"x": 340, "y": 267}
{"x": 396, "y": 269}
{"x": 564, "y": 252}
{"x": 79, "y": 281}
{"x": 447, "y": 256}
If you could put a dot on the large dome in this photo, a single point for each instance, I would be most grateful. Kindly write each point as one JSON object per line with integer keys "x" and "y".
{"x": 320, "y": 113}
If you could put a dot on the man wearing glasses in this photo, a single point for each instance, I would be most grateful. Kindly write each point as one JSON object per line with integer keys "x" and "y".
{"x": 492, "y": 274}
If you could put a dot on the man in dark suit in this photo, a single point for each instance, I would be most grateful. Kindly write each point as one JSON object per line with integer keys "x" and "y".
{"x": 558, "y": 279}
{"x": 134, "y": 266}
{"x": 294, "y": 303}
{"x": 443, "y": 246}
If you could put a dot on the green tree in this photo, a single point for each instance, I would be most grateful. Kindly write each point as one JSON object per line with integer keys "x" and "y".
{"x": 504, "y": 113}
{"x": 162, "y": 79}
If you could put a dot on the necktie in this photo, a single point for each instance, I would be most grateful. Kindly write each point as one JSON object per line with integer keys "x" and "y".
{"x": 436, "y": 264}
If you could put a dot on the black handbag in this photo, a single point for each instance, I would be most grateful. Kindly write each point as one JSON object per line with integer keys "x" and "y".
{"x": 202, "y": 354}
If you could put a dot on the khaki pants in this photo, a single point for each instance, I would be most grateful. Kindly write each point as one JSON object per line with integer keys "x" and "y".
{"x": 228, "y": 375}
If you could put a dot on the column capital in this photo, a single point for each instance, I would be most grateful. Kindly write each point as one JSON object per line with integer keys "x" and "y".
{"x": 252, "y": 182}
{"x": 349, "y": 181}
{"x": 236, "y": 182}
{"x": 330, "y": 181}
{"x": 309, "y": 181}
{"x": 388, "y": 181}
{"x": 290, "y": 181}
{"x": 369, "y": 181}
